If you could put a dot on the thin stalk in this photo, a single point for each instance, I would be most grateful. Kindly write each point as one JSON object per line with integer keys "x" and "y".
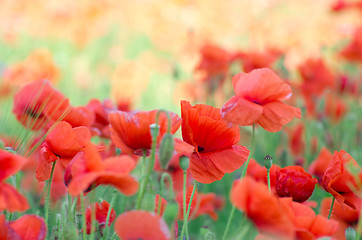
{"x": 48, "y": 195}
{"x": 331, "y": 209}
{"x": 114, "y": 197}
{"x": 268, "y": 173}
{"x": 93, "y": 214}
{"x": 359, "y": 227}
{"x": 143, "y": 183}
{"x": 242, "y": 175}
{"x": 83, "y": 216}
{"x": 185, "y": 228}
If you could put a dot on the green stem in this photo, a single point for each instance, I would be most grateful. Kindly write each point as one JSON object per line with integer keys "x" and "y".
{"x": 107, "y": 229}
{"x": 331, "y": 209}
{"x": 143, "y": 183}
{"x": 268, "y": 173}
{"x": 359, "y": 227}
{"x": 48, "y": 195}
{"x": 186, "y": 216}
{"x": 93, "y": 214}
{"x": 242, "y": 175}
{"x": 83, "y": 216}
{"x": 163, "y": 188}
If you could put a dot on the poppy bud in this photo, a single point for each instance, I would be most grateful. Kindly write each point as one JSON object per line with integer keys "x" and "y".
{"x": 350, "y": 233}
{"x": 184, "y": 163}
{"x": 295, "y": 182}
{"x": 170, "y": 213}
{"x": 166, "y": 150}
{"x": 268, "y": 161}
{"x": 154, "y": 130}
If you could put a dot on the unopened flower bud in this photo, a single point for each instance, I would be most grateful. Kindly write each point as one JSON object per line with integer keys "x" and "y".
{"x": 184, "y": 163}
{"x": 166, "y": 150}
{"x": 268, "y": 161}
{"x": 170, "y": 213}
{"x": 154, "y": 128}
{"x": 350, "y": 233}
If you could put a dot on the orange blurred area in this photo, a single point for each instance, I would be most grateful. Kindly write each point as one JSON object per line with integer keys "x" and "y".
{"x": 174, "y": 31}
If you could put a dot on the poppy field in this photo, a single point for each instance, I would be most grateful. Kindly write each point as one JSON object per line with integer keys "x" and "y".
{"x": 181, "y": 120}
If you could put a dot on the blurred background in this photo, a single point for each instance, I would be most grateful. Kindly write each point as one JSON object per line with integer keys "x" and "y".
{"x": 144, "y": 52}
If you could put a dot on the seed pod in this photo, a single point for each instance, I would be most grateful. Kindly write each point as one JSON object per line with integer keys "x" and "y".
{"x": 268, "y": 161}
{"x": 166, "y": 150}
{"x": 184, "y": 163}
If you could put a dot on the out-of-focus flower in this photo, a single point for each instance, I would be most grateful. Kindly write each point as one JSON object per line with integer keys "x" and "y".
{"x": 101, "y": 211}
{"x": 10, "y": 199}
{"x": 213, "y": 66}
{"x": 294, "y": 182}
{"x": 62, "y": 143}
{"x": 258, "y": 99}
{"x": 254, "y": 60}
{"x": 38, "y": 66}
{"x": 26, "y": 227}
{"x": 338, "y": 179}
{"x": 316, "y": 76}
{"x": 101, "y": 112}
{"x": 87, "y": 171}
{"x": 353, "y": 51}
{"x": 202, "y": 203}
{"x": 335, "y": 108}
{"x": 131, "y": 131}
{"x": 344, "y": 214}
{"x": 321, "y": 163}
{"x": 262, "y": 208}
{"x": 308, "y": 225}
{"x": 36, "y": 103}
{"x": 296, "y": 140}
{"x": 214, "y": 140}
{"x": 139, "y": 224}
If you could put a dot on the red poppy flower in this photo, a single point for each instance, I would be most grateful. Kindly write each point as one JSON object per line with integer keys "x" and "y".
{"x": 353, "y": 51}
{"x": 131, "y": 131}
{"x": 87, "y": 170}
{"x": 339, "y": 181}
{"x": 308, "y": 225}
{"x": 258, "y": 99}
{"x": 293, "y": 181}
{"x": 214, "y": 141}
{"x": 10, "y": 199}
{"x": 101, "y": 111}
{"x": 316, "y": 76}
{"x": 321, "y": 163}
{"x": 213, "y": 66}
{"x": 202, "y": 203}
{"x": 101, "y": 211}
{"x": 141, "y": 225}
{"x": 36, "y": 102}
{"x": 62, "y": 142}
{"x": 262, "y": 208}
{"x": 26, "y": 227}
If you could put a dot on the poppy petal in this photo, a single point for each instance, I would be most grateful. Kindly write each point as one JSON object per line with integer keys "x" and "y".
{"x": 276, "y": 114}
{"x": 30, "y": 227}
{"x": 141, "y": 225}
{"x": 241, "y": 111}
{"x": 262, "y": 85}
{"x": 123, "y": 182}
{"x": 6, "y": 232}
{"x": 11, "y": 200}
{"x": 10, "y": 164}
{"x": 209, "y": 167}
